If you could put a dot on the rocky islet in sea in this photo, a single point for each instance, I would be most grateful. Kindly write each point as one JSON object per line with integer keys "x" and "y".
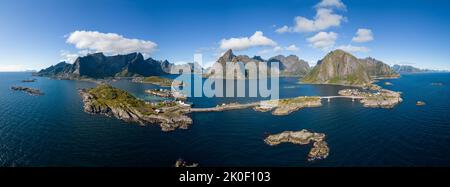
{"x": 30, "y": 91}
{"x": 382, "y": 98}
{"x": 180, "y": 163}
{"x": 320, "y": 148}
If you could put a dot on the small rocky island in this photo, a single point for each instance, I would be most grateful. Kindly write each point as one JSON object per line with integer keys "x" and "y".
{"x": 180, "y": 163}
{"x": 30, "y": 91}
{"x": 320, "y": 148}
{"x": 420, "y": 103}
{"x": 279, "y": 107}
{"x": 283, "y": 107}
{"x": 160, "y": 81}
{"x": 29, "y": 80}
{"x": 437, "y": 84}
{"x": 382, "y": 98}
{"x": 110, "y": 101}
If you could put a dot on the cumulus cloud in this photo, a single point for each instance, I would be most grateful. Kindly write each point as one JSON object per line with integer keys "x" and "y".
{"x": 109, "y": 43}
{"x": 325, "y": 18}
{"x": 323, "y": 40}
{"x": 283, "y": 29}
{"x": 351, "y": 48}
{"x": 292, "y": 48}
{"x": 363, "y": 35}
{"x": 69, "y": 57}
{"x": 331, "y": 4}
{"x": 256, "y": 40}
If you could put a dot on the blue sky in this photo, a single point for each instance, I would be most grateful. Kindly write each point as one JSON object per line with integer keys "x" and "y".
{"x": 37, "y": 34}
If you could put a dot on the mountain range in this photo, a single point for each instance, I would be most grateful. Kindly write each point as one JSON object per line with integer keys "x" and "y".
{"x": 337, "y": 67}
{"x": 405, "y": 69}
{"x": 99, "y": 66}
{"x": 288, "y": 66}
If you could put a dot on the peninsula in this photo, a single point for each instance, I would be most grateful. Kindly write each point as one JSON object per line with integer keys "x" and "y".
{"x": 110, "y": 101}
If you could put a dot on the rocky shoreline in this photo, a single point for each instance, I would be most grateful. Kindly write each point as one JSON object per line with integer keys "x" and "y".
{"x": 320, "y": 148}
{"x": 104, "y": 100}
{"x": 284, "y": 107}
{"x": 30, "y": 91}
{"x": 382, "y": 98}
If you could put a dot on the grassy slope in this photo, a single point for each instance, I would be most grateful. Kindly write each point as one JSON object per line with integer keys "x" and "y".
{"x": 106, "y": 95}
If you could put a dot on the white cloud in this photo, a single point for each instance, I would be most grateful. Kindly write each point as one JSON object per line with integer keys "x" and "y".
{"x": 351, "y": 48}
{"x": 323, "y": 40}
{"x": 363, "y": 35}
{"x": 331, "y": 3}
{"x": 256, "y": 40}
{"x": 283, "y": 29}
{"x": 68, "y": 56}
{"x": 292, "y": 48}
{"x": 324, "y": 19}
{"x": 109, "y": 43}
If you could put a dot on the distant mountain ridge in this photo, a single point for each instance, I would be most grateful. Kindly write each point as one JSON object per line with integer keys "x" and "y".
{"x": 288, "y": 66}
{"x": 376, "y": 68}
{"x": 291, "y": 65}
{"x": 99, "y": 66}
{"x": 404, "y": 69}
{"x": 340, "y": 67}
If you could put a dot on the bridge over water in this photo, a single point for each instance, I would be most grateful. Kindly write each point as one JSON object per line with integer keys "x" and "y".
{"x": 236, "y": 106}
{"x": 341, "y": 96}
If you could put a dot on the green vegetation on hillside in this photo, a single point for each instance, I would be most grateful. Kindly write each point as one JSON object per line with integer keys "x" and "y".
{"x": 106, "y": 95}
{"x": 160, "y": 81}
{"x": 338, "y": 67}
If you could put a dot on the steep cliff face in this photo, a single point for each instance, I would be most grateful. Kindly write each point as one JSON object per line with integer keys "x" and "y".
{"x": 232, "y": 66}
{"x": 376, "y": 68}
{"x": 100, "y": 66}
{"x": 189, "y": 68}
{"x": 55, "y": 70}
{"x": 288, "y": 66}
{"x": 291, "y": 65}
{"x": 338, "y": 67}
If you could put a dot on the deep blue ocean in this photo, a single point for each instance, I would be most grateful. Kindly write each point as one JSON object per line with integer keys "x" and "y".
{"x": 53, "y": 130}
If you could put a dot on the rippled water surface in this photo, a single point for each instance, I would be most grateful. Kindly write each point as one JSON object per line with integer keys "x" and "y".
{"x": 52, "y": 130}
